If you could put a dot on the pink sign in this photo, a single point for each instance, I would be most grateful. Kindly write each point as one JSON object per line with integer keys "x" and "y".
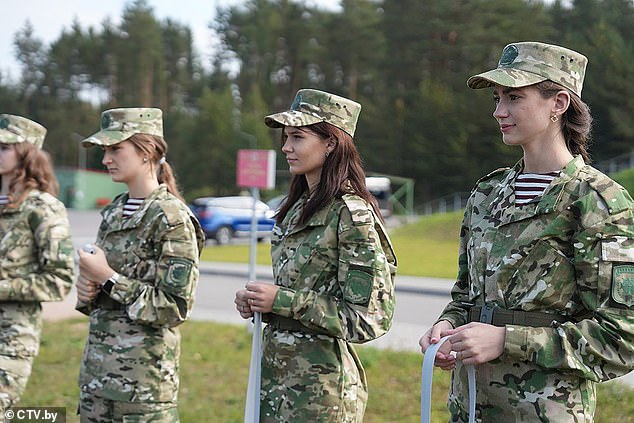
{"x": 256, "y": 169}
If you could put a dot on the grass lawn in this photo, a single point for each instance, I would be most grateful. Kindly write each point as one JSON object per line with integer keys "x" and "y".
{"x": 428, "y": 247}
{"x": 214, "y": 370}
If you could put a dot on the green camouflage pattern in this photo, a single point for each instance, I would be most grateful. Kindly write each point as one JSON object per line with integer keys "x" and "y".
{"x": 556, "y": 255}
{"x": 36, "y": 264}
{"x": 133, "y": 346}
{"x": 527, "y": 63}
{"x": 314, "y": 106}
{"x": 17, "y": 129}
{"x": 99, "y": 410}
{"x": 120, "y": 124}
{"x": 336, "y": 278}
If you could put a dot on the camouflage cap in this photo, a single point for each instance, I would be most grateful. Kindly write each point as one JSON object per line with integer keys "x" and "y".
{"x": 17, "y": 129}
{"x": 528, "y": 63}
{"x": 314, "y": 106}
{"x": 120, "y": 124}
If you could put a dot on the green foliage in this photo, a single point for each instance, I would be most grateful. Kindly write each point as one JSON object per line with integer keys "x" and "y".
{"x": 405, "y": 61}
{"x": 626, "y": 178}
{"x": 214, "y": 373}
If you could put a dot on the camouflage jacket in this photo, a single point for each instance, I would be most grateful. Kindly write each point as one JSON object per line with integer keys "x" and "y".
{"x": 336, "y": 283}
{"x": 36, "y": 264}
{"x": 133, "y": 346}
{"x": 571, "y": 253}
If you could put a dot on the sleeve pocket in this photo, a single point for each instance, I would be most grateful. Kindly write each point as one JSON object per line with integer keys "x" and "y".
{"x": 358, "y": 287}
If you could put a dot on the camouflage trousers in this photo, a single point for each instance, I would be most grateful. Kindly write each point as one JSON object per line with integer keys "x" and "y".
{"x": 94, "y": 409}
{"x": 513, "y": 391}
{"x": 14, "y": 375}
{"x": 309, "y": 378}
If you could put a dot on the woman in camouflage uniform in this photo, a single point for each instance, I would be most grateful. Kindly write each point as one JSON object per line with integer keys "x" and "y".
{"x": 138, "y": 282}
{"x": 334, "y": 270}
{"x": 543, "y": 303}
{"x": 36, "y": 251}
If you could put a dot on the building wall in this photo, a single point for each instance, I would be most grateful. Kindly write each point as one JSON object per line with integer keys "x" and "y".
{"x": 86, "y": 189}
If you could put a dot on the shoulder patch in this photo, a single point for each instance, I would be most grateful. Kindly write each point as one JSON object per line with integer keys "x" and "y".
{"x": 359, "y": 209}
{"x": 623, "y": 284}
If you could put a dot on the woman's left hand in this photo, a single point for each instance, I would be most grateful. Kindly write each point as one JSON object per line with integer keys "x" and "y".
{"x": 477, "y": 343}
{"x": 94, "y": 267}
{"x": 260, "y": 296}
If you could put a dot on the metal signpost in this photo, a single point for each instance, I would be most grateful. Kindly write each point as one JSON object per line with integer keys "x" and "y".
{"x": 256, "y": 169}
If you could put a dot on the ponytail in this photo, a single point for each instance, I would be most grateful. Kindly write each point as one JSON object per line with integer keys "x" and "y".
{"x": 156, "y": 149}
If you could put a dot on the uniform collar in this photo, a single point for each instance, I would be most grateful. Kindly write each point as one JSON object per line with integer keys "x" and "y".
{"x": 114, "y": 212}
{"x": 503, "y": 199}
{"x": 320, "y": 218}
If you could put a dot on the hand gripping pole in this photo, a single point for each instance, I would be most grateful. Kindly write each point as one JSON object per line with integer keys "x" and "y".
{"x": 427, "y": 379}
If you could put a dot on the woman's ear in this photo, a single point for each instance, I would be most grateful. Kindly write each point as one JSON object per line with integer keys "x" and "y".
{"x": 562, "y": 102}
{"x": 330, "y": 144}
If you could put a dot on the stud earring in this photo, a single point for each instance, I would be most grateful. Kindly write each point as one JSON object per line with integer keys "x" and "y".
{"x": 144, "y": 159}
{"x": 554, "y": 118}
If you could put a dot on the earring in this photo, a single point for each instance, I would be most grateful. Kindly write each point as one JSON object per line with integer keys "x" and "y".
{"x": 144, "y": 159}
{"x": 327, "y": 153}
{"x": 554, "y": 118}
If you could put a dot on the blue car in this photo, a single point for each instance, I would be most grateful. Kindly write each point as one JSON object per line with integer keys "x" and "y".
{"x": 223, "y": 218}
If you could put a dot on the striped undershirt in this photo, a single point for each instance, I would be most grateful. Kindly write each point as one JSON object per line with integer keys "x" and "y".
{"x": 131, "y": 206}
{"x": 4, "y": 200}
{"x": 529, "y": 186}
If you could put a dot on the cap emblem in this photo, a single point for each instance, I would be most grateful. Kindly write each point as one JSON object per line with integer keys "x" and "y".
{"x": 509, "y": 55}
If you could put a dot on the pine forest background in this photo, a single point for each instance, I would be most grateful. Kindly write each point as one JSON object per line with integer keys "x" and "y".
{"x": 405, "y": 61}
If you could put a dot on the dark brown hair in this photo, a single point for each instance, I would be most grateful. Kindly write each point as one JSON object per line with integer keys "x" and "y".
{"x": 576, "y": 122}
{"x": 156, "y": 148}
{"x": 341, "y": 173}
{"x": 35, "y": 171}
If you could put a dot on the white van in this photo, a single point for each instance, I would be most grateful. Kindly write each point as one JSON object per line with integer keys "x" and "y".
{"x": 381, "y": 188}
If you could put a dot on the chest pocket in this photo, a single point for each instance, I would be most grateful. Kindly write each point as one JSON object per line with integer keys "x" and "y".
{"x": 18, "y": 246}
{"x": 132, "y": 253}
{"x": 544, "y": 278}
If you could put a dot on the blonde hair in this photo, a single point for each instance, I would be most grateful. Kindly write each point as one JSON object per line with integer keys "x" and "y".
{"x": 156, "y": 149}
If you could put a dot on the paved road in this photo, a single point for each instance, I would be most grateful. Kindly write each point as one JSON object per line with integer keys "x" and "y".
{"x": 419, "y": 300}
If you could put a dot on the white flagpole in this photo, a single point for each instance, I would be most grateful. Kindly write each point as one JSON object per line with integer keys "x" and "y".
{"x": 252, "y": 405}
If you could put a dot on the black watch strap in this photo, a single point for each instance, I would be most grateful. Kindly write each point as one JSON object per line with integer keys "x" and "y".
{"x": 107, "y": 285}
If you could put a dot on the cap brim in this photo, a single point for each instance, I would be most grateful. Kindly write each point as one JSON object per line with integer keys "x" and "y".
{"x": 8, "y": 137}
{"x": 290, "y": 118}
{"x": 514, "y": 78}
{"x": 105, "y": 138}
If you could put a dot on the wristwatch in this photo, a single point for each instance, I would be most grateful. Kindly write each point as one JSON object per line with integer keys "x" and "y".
{"x": 109, "y": 283}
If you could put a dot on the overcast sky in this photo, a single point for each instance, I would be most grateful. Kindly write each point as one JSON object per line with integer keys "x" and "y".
{"x": 49, "y": 17}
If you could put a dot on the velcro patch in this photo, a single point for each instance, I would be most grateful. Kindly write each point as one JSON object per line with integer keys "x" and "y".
{"x": 623, "y": 284}
{"x": 178, "y": 271}
{"x": 619, "y": 248}
{"x": 358, "y": 286}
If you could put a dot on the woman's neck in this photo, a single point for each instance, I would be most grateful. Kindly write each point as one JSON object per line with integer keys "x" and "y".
{"x": 546, "y": 157}
{"x": 142, "y": 188}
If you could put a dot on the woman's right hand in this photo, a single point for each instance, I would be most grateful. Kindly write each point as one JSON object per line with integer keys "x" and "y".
{"x": 242, "y": 304}
{"x": 87, "y": 290}
{"x": 444, "y": 359}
